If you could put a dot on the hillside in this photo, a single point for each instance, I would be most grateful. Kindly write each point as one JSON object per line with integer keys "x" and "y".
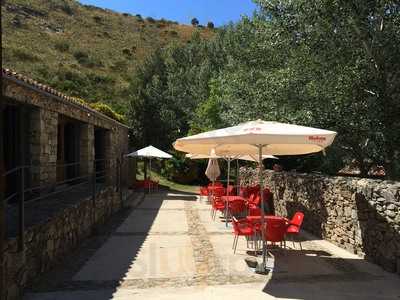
{"x": 82, "y": 50}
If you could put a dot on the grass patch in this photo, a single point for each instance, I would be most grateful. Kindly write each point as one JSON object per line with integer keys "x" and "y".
{"x": 165, "y": 182}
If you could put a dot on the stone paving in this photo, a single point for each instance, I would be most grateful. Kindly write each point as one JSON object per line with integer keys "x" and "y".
{"x": 169, "y": 248}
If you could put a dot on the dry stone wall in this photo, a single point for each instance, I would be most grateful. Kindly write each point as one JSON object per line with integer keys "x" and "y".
{"x": 359, "y": 215}
{"x": 48, "y": 242}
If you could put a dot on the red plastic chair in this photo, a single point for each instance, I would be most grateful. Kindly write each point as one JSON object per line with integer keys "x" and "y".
{"x": 236, "y": 207}
{"x": 254, "y": 211}
{"x": 255, "y": 203}
{"x": 275, "y": 231}
{"x": 293, "y": 229}
{"x": 203, "y": 191}
{"x": 241, "y": 228}
{"x": 216, "y": 202}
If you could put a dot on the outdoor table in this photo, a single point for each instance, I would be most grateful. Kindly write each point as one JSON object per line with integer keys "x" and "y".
{"x": 214, "y": 187}
{"x": 257, "y": 219}
{"x": 232, "y": 198}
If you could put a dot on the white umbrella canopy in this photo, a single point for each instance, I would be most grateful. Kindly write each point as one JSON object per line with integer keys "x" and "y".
{"x": 151, "y": 152}
{"x": 253, "y": 158}
{"x": 276, "y": 138}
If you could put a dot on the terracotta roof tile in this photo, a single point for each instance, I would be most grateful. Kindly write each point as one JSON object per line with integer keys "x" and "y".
{"x": 41, "y": 86}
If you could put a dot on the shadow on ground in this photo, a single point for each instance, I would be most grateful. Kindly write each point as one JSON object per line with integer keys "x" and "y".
{"x": 316, "y": 274}
{"x": 119, "y": 239}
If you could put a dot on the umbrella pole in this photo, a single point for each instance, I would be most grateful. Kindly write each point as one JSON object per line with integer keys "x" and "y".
{"x": 237, "y": 178}
{"x": 262, "y": 268}
{"x": 149, "y": 175}
{"x": 227, "y": 192}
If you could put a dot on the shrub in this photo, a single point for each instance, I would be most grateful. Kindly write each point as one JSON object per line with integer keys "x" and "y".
{"x": 85, "y": 60}
{"x": 24, "y": 55}
{"x": 150, "y": 20}
{"x": 63, "y": 6}
{"x": 62, "y": 46}
{"x": 173, "y": 33}
{"x": 126, "y": 52}
{"x": 16, "y": 22}
{"x": 194, "y": 22}
{"x": 210, "y": 25}
{"x": 81, "y": 55}
{"x": 180, "y": 170}
{"x": 126, "y": 15}
{"x": 108, "y": 111}
{"x": 97, "y": 19}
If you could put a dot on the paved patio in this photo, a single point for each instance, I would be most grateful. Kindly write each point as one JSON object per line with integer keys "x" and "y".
{"x": 169, "y": 248}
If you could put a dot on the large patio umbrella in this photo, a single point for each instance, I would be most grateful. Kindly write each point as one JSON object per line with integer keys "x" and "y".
{"x": 150, "y": 152}
{"x": 259, "y": 138}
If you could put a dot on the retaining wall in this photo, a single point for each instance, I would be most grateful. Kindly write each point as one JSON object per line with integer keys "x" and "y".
{"x": 359, "y": 215}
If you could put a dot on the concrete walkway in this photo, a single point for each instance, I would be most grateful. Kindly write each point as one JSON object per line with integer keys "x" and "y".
{"x": 169, "y": 248}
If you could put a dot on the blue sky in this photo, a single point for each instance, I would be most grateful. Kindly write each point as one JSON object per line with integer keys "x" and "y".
{"x": 220, "y": 12}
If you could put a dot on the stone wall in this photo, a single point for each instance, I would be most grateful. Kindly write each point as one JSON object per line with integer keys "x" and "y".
{"x": 45, "y": 112}
{"x": 48, "y": 242}
{"x": 48, "y": 146}
{"x": 359, "y": 215}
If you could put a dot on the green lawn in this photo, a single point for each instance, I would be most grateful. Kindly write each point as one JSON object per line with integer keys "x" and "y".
{"x": 165, "y": 182}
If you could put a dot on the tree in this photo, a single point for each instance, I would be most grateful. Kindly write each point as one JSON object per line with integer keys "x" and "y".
{"x": 330, "y": 65}
{"x": 210, "y": 25}
{"x": 194, "y": 22}
{"x": 170, "y": 85}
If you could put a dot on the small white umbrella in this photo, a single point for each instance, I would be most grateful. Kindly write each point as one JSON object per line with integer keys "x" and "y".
{"x": 150, "y": 152}
{"x": 213, "y": 171}
{"x": 259, "y": 138}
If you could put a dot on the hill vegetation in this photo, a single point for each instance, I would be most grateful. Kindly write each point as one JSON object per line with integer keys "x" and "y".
{"x": 82, "y": 50}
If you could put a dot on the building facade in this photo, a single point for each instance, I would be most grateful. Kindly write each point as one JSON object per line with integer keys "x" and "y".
{"x": 51, "y": 144}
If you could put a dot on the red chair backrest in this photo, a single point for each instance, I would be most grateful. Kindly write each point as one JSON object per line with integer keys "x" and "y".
{"x": 235, "y": 225}
{"x": 236, "y": 206}
{"x": 251, "y": 198}
{"x": 297, "y": 219}
{"x": 257, "y": 200}
{"x": 254, "y": 212}
{"x": 203, "y": 191}
{"x": 275, "y": 231}
{"x": 219, "y": 191}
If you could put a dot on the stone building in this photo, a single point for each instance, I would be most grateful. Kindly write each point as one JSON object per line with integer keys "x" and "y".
{"x": 50, "y": 143}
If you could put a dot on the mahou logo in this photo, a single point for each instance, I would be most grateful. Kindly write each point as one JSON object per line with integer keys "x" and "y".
{"x": 316, "y": 138}
{"x": 252, "y": 129}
